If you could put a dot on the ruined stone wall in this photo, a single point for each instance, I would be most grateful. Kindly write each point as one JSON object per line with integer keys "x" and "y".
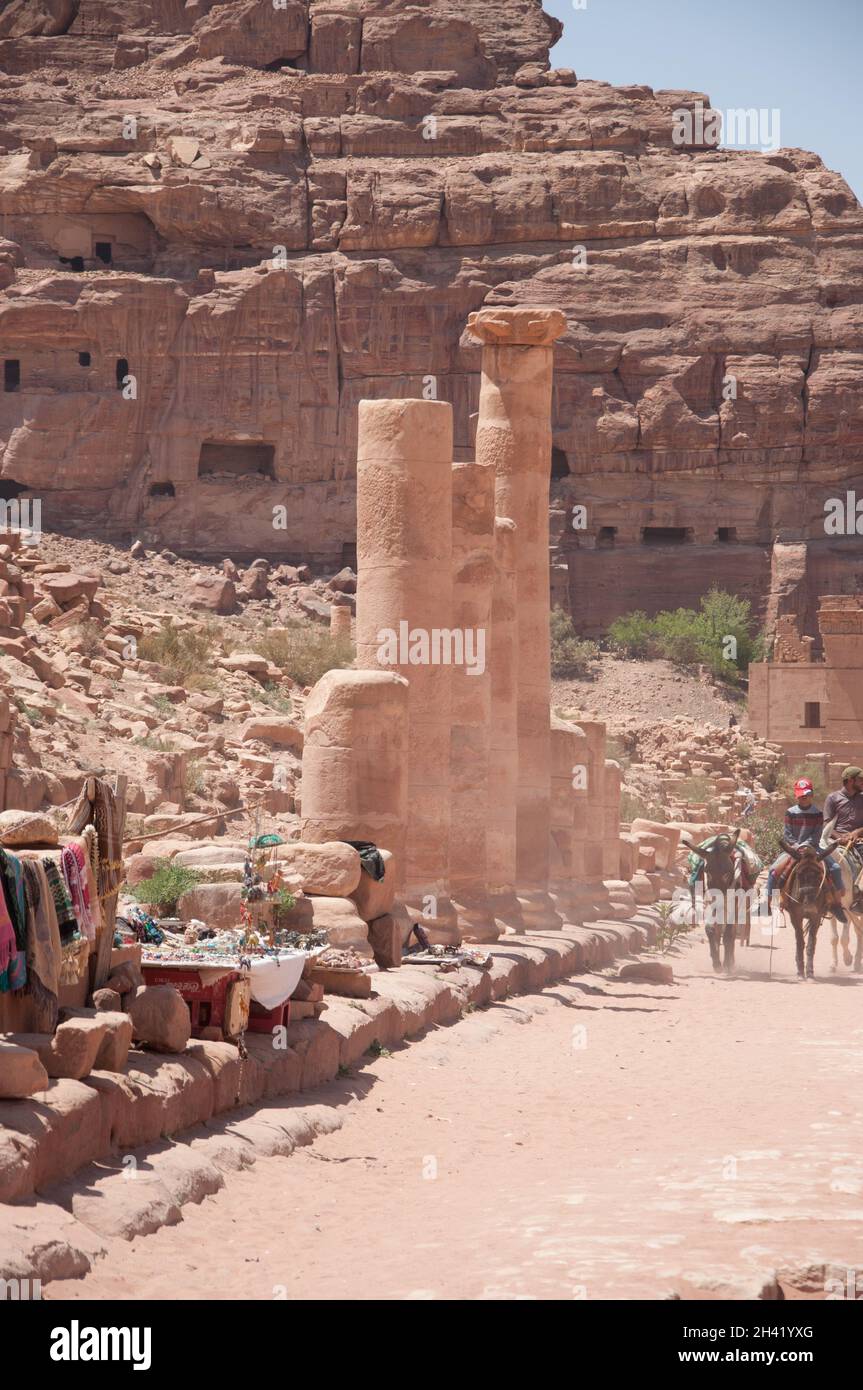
{"x": 300, "y": 208}
{"x": 813, "y": 705}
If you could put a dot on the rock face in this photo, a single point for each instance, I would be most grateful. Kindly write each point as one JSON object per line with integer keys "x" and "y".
{"x": 226, "y": 225}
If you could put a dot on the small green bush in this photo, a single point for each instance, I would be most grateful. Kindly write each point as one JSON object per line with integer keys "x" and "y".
{"x": 571, "y": 656}
{"x": 692, "y": 636}
{"x": 304, "y": 652}
{"x": 766, "y": 827}
{"x": 633, "y": 636}
{"x": 186, "y": 655}
{"x": 634, "y": 807}
{"x": 165, "y": 886}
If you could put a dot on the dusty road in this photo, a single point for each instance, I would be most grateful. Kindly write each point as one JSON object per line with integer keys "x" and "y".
{"x": 606, "y": 1139}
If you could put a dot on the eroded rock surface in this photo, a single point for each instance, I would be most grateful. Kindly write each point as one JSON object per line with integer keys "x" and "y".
{"x": 226, "y": 225}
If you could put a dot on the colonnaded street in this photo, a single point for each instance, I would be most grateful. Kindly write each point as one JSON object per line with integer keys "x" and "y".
{"x": 602, "y": 1139}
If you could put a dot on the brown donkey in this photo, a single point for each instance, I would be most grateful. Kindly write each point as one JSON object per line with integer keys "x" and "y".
{"x": 806, "y": 894}
{"x": 722, "y": 882}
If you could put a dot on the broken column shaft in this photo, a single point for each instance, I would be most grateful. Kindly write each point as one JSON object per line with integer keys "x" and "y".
{"x": 514, "y": 436}
{"x": 473, "y": 582}
{"x": 404, "y": 617}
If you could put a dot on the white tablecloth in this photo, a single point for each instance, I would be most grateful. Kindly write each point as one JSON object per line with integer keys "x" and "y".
{"x": 274, "y": 978}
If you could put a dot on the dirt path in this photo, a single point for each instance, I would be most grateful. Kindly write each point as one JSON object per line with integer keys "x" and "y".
{"x": 605, "y": 1139}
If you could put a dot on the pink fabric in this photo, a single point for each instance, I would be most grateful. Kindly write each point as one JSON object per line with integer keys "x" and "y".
{"x": 72, "y": 863}
{"x": 8, "y": 945}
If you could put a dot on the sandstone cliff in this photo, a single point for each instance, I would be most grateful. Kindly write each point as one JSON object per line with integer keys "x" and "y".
{"x": 227, "y": 224}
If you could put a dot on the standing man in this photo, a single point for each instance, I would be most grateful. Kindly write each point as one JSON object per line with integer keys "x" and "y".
{"x": 846, "y": 807}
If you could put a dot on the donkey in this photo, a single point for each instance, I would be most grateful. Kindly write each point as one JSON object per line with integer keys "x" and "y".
{"x": 852, "y": 914}
{"x": 806, "y": 894}
{"x": 722, "y": 879}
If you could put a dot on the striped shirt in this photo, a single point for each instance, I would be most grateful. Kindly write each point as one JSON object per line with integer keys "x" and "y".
{"x": 803, "y": 825}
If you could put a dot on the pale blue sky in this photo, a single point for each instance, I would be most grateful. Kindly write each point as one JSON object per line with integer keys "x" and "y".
{"x": 802, "y": 56}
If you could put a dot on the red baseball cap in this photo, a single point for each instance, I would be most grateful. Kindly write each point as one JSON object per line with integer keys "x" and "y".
{"x": 804, "y": 787}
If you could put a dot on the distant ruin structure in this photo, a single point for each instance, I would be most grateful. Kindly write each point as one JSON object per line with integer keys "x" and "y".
{"x": 809, "y": 705}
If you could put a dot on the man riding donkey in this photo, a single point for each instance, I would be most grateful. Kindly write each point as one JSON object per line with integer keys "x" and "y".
{"x": 843, "y": 822}
{"x": 729, "y": 869}
{"x": 804, "y": 825}
{"x": 806, "y": 874}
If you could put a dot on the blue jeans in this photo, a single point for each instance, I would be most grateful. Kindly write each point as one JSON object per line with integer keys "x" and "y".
{"x": 833, "y": 869}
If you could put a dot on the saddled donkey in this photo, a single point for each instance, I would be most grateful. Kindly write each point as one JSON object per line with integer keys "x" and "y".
{"x": 806, "y": 894}
{"x": 723, "y": 882}
{"x": 849, "y": 872}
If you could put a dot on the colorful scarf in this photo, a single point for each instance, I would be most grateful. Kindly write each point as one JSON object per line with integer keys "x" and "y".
{"x": 12, "y": 876}
{"x": 43, "y": 946}
{"x": 8, "y": 945}
{"x": 67, "y": 922}
{"x": 13, "y": 924}
{"x": 72, "y": 866}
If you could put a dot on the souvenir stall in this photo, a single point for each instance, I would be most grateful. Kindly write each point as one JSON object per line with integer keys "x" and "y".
{"x": 245, "y": 978}
{"x": 57, "y": 899}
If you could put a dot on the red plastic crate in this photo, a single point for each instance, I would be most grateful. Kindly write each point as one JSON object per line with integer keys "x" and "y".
{"x": 206, "y": 1002}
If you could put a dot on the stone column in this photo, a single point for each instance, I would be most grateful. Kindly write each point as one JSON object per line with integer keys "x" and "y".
{"x": 340, "y": 620}
{"x": 473, "y": 581}
{"x": 590, "y": 810}
{"x": 355, "y": 759}
{"x": 568, "y": 793}
{"x": 514, "y": 435}
{"x": 611, "y": 856}
{"x": 503, "y": 753}
{"x": 404, "y": 603}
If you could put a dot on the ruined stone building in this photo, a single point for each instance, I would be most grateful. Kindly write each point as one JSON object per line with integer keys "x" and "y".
{"x": 807, "y": 705}
{"x": 225, "y": 225}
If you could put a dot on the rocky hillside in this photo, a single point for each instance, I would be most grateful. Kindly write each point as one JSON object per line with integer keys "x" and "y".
{"x": 176, "y": 675}
{"x": 227, "y": 224}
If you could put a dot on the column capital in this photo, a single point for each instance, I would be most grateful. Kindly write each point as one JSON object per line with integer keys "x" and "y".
{"x": 528, "y": 325}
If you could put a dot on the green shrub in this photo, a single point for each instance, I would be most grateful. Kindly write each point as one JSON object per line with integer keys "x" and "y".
{"x": 633, "y": 636}
{"x": 692, "y": 636}
{"x": 695, "y": 788}
{"x": 273, "y": 696}
{"x": 194, "y": 782}
{"x": 667, "y": 931}
{"x": 304, "y": 652}
{"x": 165, "y": 886}
{"x": 766, "y": 827}
{"x": 634, "y": 807}
{"x": 186, "y": 655}
{"x": 570, "y": 655}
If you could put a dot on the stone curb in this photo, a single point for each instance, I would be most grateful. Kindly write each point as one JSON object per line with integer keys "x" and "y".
{"x": 69, "y": 1146}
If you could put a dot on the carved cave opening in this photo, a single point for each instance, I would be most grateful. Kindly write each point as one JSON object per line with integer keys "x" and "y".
{"x": 11, "y": 374}
{"x": 666, "y": 535}
{"x": 559, "y": 464}
{"x": 162, "y": 490}
{"x": 236, "y": 458}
